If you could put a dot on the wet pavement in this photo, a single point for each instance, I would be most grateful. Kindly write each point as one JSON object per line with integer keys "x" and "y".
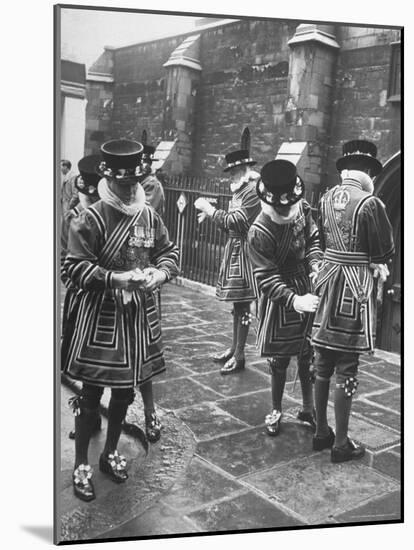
{"x": 223, "y": 472}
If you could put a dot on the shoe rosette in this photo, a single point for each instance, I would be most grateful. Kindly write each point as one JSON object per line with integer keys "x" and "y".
{"x": 82, "y": 475}
{"x": 117, "y": 461}
{"x": 273, "y": 418}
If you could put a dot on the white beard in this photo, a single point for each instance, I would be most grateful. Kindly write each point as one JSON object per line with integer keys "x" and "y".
{"x": 250, "y": 175}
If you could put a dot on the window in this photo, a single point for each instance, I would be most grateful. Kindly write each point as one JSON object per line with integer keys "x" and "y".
{"x": 394, "y": 86}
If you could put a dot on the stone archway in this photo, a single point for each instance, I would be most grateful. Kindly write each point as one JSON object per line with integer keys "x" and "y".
{"x": 388, "y": 188}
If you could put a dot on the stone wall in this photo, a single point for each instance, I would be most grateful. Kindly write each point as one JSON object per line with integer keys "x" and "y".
{"x": 139, "y": 89}
{"x": 243, "y": 83}
{"x": 361, "y": 108}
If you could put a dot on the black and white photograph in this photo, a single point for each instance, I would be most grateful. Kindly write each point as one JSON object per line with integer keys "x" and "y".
{"x": 228, "y": 273}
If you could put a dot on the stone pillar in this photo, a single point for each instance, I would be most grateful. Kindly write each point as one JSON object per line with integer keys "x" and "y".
{"x": 308, "y": 110}
{"x": 184, "y": 72}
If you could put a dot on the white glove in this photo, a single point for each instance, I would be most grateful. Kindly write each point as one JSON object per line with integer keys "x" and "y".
{"x": 201, "y": 216}
{"x": 202, "y": 204}
{"x": 306, "y": 303}
{"x": 381, "y": 271}
{"x": 153, "y": 278}
{"x": 128, "y": 280}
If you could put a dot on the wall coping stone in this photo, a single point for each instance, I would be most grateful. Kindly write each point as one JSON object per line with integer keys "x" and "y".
{"x": 311, "y": 33}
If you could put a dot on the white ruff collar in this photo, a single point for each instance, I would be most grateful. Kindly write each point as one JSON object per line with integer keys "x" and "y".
{"x": 277, "y": 218}
{"x": 251, "y": 175}
{"x": 113, "y": 200}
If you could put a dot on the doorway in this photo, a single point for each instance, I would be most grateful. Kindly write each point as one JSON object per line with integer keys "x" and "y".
{"x": 388, "y": 189}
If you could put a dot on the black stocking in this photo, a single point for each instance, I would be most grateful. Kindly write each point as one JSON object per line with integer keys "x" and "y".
{"x": 241, "y": 314}
{"x": 116, "y": 414}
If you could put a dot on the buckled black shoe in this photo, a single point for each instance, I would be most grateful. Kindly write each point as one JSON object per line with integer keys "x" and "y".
{"x": 233, "y": 365}
{"x": 223, "y": 356}
{"x": 97, "y": 428}
{"x": 114, "y": 465}
{"x": 82, "y": 482}
{"x": 272, "y": 422}
{"x": 153, "y": 427}
{"x": 351, "y": 451}
{"x": 321, "y": 443}
{"x": 307, "y": 417}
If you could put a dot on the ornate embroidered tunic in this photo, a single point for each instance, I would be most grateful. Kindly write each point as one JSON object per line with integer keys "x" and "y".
{"x": 70, "y": 289}
{"x": 107, "y": 342}
{"x": 355, "y": 231}
{"x": 235, "y": 281}
{"x": 282, "y": 256}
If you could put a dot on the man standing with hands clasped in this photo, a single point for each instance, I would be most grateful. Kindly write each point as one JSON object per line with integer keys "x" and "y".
{"x": 118, "y": 253}
{"x": 284, "y": 250}
{"x": 356, "y": 236}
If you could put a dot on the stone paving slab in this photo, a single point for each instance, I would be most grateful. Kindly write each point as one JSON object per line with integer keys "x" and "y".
{"x": 208, "y": 420}
{"x": 388, "y": 463}
{"x": 182, "y": 334}
{"x": 372, "y": 436}
{"x": 174, "y": 394}
{"x": 158, "y": 520}
{"x": 201, "y": 485}
{"x": 194, "y": 349}
{"x": 316, "y": 489}
{"x": 253, "y": 450}
{"x": 247, "y": 511}
{"x": 196, "y": 365}
{"x": 253, "y": 407}
{"x": 387, "y": 418}
{"x": 175, "y": 370}
{"x": 385, "y": 508}
{"x": 386, "y": 399}
{"x": 382, "y": 369}
{"x": 230, "y": 385}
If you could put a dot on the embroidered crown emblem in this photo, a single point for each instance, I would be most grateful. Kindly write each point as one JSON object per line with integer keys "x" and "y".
{"x": 341, "y": 199}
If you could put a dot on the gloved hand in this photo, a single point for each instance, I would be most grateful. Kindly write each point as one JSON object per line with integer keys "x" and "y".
{"x": 202, "y": 204}
{"x": 153, "y": 278}
{"x": 128, "y": 280}
{"x": 306, "y": 303}
{"x": 381, "y": 271}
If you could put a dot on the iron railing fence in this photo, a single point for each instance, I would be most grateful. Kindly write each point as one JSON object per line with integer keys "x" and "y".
{"x": 201, "y": 244}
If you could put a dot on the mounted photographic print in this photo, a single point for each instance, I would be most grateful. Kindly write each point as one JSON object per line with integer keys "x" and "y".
{"x": 228, "y": 244}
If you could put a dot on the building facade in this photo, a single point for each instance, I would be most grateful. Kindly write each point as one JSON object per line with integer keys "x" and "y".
{"x": 299, "y": 91}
